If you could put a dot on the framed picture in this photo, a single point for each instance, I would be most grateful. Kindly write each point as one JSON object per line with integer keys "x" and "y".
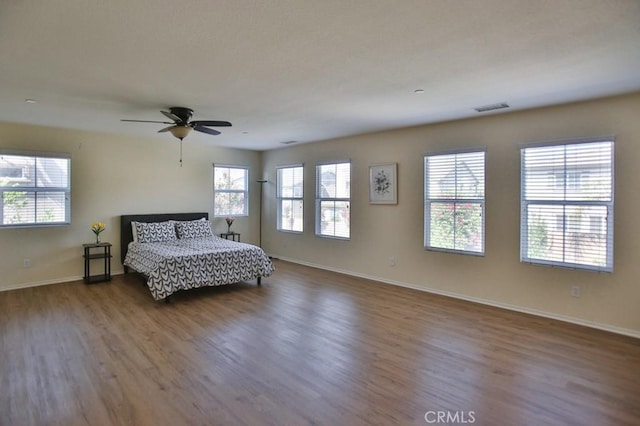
{"x": 383, "y": 183}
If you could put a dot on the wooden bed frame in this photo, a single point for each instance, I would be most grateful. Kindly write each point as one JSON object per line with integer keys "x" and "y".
{"x": 126, "y": 234}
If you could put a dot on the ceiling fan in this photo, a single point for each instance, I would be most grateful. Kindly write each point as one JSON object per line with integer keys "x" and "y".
{"x": 181, "y": 125}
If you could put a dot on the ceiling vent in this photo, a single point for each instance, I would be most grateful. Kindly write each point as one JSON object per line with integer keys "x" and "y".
{"x": 492, "y": 107}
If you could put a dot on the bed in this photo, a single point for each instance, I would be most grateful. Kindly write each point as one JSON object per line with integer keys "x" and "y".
{"x": 190, "y": 257}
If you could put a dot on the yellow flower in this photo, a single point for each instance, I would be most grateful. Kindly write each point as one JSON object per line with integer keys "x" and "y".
{"x": 98, "y": 227}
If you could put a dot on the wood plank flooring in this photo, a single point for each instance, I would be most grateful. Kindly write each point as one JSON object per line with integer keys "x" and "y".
{"x": 308, "y": 347}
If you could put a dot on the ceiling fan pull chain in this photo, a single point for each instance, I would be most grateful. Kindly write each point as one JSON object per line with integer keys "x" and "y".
{"x": 180, "y": 152}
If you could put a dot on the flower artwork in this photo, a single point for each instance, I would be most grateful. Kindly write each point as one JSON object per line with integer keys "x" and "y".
{"x": 383, "y": 184}
{"x": 97, "y": 228}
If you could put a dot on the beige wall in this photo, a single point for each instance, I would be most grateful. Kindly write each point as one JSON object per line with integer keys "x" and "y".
{"x": 378, "y": 232}
{"x": 113, "y": 175}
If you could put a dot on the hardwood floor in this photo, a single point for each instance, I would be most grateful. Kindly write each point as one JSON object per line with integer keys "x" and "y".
{"x": 308, "y": 347}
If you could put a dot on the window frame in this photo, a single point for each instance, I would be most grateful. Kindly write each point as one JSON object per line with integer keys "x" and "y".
{"x": 428, "y": 202}
{"x": 36, "y": 189}
{"x": 572, "y": 182}
{"x": 244, "y": 191}
{"x": 281, "y": 199}
{"x": 320, "y": 199}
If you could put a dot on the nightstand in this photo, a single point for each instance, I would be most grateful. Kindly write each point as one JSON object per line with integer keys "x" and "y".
{"x": 96, "y": 252}
{"x": 233, "y": 236}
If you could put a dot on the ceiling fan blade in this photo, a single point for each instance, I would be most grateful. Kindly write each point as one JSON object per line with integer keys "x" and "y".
{"x": 203, "y": 129}
{"x": 147, "y": 121}
{"x": 211, "y": 123}
{"x": 166, "y": 129}
{"x": 172, "y": 116}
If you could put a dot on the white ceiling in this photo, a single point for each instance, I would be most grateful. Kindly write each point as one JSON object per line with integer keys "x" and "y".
{"x": 305, "y": 70}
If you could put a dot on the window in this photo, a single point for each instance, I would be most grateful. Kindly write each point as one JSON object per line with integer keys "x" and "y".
{"x": 230, "y": 191}
{"x": 333, "y": 200}
{"x": 35, "y": 189}
{"x": 290, "y": 187}
{"x": 454, "y": 202}
{"x": 568, "y": 224}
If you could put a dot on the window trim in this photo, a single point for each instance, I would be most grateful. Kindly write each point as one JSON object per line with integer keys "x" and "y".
{"x": 453, "y": 201}
{"x": 280, "y": 199}
{"x": 36, "y": 189}
{"x": 609, "y": 205}
{"x": 319, "y": 200}
{"x": 234, "y": 191}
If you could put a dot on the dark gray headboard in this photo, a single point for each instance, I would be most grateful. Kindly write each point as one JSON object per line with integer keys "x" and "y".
{"x": 126, "y": 235}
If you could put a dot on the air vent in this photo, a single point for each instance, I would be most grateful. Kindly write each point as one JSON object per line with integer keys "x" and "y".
{"x": 493, "y": 107}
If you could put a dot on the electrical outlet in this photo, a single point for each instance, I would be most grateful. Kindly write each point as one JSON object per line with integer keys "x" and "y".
{"x": 575, "y": 291}
{"x": 26, "y": 263}
{"x": 392, "y": 261}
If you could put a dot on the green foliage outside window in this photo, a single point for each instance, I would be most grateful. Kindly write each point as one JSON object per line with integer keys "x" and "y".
{"x": 456, "y": 226}
{"x": 538, "y": 238}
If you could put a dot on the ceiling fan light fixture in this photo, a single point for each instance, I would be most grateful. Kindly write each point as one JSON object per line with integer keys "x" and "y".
{"x": 180, "y": 132}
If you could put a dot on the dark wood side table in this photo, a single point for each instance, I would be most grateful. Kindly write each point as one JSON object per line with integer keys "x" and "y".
{"x": 93, "y": 252}
{"x": 233, "y": 236}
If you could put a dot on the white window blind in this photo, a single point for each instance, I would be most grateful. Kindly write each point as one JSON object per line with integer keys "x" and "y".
{"x": 333, "y": 200}
{"x": 567, "y": 205}
{"x": 231, "y": 191}
{"x": 35, "y": 189}
{"x": 290, "y": 194}
{"x": 454, "y": 202}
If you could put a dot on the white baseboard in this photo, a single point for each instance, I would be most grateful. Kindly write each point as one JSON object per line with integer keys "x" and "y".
{"x": 544, "y": 314}
{"x": 48, "y": 282}
{"x": 39, "y": 283}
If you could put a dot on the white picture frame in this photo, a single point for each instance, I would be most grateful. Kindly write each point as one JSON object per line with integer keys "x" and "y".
{"x": 383, "y": 183}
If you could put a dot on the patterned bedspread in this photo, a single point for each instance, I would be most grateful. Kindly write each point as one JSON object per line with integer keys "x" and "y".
{"x": 196, "y": 262}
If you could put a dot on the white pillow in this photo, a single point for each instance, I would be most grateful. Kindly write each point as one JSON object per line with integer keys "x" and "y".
{"x": 134, "y": 231}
